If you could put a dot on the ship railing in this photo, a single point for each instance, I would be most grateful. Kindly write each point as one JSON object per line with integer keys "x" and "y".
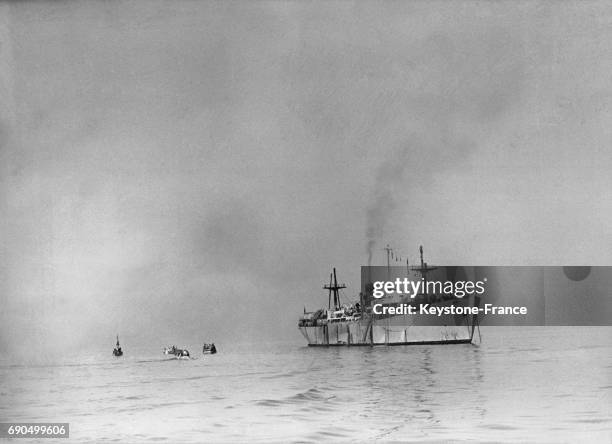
{"x": 345, "y": 318}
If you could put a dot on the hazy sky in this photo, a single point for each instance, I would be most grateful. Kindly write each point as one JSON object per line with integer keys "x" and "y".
{"x": 187, "y": 171}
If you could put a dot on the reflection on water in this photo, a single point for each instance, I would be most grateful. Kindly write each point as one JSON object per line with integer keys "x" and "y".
{"x": 424, "y": 390}
{"x": 539, "y": 384}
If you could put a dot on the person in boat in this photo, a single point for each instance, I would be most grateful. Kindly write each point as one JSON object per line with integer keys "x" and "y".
{"x": 213, "y": 349}
{"x": 117, "y": 350}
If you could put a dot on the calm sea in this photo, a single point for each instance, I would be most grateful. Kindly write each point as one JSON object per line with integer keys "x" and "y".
{"x": 538, "y": 384}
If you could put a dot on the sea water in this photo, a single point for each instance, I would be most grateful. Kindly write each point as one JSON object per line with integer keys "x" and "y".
{"x": 539, "y": 384}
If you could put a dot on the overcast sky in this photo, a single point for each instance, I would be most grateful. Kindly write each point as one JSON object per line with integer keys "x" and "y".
{"x": 186, "y": 171}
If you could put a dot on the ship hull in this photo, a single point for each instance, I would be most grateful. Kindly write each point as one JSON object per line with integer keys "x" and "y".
{"x": 449, "y": 342}
{"x": 395, "y": 330}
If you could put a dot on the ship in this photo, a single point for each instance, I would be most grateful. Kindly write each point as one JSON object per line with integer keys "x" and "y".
{"x": 117, "y": 350}
{"x": 209, "y": 349}
{"x": 178, "y": 353}
{"x": 360, "y": 323}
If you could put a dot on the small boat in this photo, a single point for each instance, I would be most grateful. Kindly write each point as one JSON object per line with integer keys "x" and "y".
{"x": 179, "y": 353}
{"x": 209, "y": 349}
{"x": 117, "y": 350}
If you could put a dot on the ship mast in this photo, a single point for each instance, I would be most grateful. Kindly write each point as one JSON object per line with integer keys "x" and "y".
{"x": 334, "y": 289}
{"x": 423, "y": 269}
{"x": 330, "y": 292}
{"x": 388, "y": 250}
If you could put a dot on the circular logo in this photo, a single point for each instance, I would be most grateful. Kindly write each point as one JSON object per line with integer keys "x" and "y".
{"x": 577, "y": 273}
